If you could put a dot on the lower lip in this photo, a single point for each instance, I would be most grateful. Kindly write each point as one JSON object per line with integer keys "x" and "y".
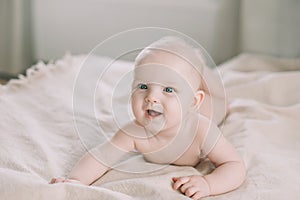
{"x": 151, "y": 117}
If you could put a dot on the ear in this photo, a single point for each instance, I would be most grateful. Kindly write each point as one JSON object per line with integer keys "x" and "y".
{"x": 198, "y": 99}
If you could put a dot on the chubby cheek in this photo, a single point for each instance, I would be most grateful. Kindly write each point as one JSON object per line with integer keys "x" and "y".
{"x": 137, "y": 105}
{"x": 173, "y": 111}
{"x": 186, "y": 102}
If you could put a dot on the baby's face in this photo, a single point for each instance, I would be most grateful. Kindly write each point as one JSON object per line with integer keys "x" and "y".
{"x": 163, "y": 93}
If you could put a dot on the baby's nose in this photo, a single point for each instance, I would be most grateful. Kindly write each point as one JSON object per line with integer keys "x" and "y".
{"x": 152, "y": 98}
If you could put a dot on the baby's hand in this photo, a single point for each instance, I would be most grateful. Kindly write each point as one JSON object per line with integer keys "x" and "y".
{"x": 194, "y": 187}
{"x": 64, "y": 180}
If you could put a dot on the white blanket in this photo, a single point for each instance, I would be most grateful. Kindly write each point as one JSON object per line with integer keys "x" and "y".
{"x": 39, "y": 139}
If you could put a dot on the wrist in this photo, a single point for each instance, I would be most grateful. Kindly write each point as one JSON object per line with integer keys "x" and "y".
{"x": 208, "y": 185}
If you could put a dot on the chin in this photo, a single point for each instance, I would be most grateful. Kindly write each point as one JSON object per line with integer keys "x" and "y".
{"x": 155, "y": 126}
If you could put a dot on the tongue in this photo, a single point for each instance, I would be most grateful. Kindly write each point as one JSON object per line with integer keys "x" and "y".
{"x": 153, "y": 113}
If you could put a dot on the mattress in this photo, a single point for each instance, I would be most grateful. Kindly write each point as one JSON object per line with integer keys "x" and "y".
{"x": 51, "y": 116}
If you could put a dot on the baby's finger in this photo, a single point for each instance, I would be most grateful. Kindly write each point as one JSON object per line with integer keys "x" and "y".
{"x": 180, "y": 181}
{"x": 58, "y": 180}
{"x": 198, "y": 195}
{"x": 185, "y": 186}
{"x": 52, "y": 181}
{"x": 191, "y": 191}
{"x": 72, "y": 181}
{"x": 175, "y": 179}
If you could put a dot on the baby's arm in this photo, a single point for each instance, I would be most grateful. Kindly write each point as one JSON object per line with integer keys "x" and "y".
{"x": 230, "y": 169}
{"x": 229, "y": 173}
{"x": 95, "y": 163}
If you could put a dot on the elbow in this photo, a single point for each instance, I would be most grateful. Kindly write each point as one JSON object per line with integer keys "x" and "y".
{"x": 242, "y": 173}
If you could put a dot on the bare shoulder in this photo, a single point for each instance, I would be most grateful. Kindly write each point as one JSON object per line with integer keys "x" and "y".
{"x": 212, "y": 83}
{"x": 125, "y": 137}
{"x": 213, "y": 144}
{"x": 206, "y": 127}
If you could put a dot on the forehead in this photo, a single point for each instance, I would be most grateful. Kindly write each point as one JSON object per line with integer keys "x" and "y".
{"x": 170, "y": 66}
{"x": 177, "y": 62}
{"x": 160, "y": 74}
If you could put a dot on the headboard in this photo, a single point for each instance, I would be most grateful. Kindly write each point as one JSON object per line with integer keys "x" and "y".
{"x": 78, "y": 26}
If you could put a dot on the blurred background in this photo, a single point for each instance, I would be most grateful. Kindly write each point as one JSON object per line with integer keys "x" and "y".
{"x": 33, "y": 30}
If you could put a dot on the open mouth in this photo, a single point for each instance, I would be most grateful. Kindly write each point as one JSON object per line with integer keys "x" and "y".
{"x": 153, "y": 113}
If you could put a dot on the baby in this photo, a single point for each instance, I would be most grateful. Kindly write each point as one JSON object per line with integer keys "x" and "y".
{"x": 175, "y": 123}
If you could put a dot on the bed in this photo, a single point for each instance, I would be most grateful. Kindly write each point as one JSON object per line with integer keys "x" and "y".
{"x": 40, "y": 131}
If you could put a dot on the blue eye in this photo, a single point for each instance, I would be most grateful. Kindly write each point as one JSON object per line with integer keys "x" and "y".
{"x": 169, "y": 89}
{"x": 143, "y": 86}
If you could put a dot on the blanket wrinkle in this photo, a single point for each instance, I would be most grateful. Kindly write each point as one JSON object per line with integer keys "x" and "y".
{"x": 40, "y": 139}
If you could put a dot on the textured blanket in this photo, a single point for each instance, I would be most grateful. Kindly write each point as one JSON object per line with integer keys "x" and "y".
{"x": 51, "y": 116}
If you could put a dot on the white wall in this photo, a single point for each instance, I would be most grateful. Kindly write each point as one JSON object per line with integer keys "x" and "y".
{"x": 15, "y": 37}
{"x": 223, "y": 27}
{"x": 78, "y": 26}
{"x": 271, "y": 27}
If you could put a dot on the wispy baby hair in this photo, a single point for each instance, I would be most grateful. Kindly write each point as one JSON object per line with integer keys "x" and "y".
{"x": 178, "y": 47}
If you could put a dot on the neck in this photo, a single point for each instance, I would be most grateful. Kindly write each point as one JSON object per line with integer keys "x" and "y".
{"x": 166, "y": 134}
{"x": 173, "y": 131}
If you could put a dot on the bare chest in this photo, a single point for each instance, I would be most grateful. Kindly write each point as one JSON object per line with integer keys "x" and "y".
{"x": 182, "y": 149}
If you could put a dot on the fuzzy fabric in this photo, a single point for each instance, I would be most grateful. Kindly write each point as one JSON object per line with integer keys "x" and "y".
{"x": 51, "y": 116}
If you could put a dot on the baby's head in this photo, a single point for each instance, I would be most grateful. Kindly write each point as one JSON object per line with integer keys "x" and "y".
{"x": 178, "y": 55}
{"x": 167, "y": 82}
